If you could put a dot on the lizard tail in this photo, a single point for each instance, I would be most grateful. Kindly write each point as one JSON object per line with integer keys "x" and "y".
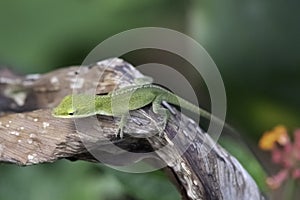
{"x": 178, "y": 101}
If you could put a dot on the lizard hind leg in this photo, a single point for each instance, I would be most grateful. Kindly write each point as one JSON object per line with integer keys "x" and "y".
{"x": 162, "y": 112}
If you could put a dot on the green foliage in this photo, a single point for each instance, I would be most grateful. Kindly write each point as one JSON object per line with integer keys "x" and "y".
{"x": 80, "y": 180}
{"x": 36, "y": 35}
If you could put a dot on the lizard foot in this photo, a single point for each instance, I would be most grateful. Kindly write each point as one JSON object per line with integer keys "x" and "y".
{"x": 121, "y": 125}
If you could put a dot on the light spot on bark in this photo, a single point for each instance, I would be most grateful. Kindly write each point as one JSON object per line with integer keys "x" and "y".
{"x": 15, "y": 133}
{"x": 76, "y": 83}
{"x": 32, "y": 158}
{"x": 54, "y": 80}
{"x": 184, "y": 167}
{"x": 46, "y": 124}
{"x": 29, "y": 141}
{"x": 195, "y": 182}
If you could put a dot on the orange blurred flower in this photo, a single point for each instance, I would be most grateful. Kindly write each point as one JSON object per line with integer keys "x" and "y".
{"x": 284, "y": 152}
{"x": 278, "y": 135}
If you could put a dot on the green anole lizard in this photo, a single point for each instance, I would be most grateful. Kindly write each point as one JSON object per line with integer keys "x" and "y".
{"x": 119, "y": 102}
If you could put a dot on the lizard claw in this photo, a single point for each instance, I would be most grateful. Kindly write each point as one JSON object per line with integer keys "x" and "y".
{"x": 121, "y": 125}
{"x": 120, "y": 130}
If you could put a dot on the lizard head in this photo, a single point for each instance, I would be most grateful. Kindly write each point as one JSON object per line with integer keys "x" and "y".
{"x": 74, "y": 106}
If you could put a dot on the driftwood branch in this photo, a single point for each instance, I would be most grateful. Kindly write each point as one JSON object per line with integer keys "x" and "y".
{"x": 30, "y": 135}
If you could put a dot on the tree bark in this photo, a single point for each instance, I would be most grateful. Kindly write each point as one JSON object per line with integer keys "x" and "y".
{"x": 30, "y": 135}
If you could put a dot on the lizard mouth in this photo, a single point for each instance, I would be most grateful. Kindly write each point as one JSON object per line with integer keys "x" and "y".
{"x": 56, "y": 113}
{"x": 72, "y": 115}
{"x": 61, "y": 115}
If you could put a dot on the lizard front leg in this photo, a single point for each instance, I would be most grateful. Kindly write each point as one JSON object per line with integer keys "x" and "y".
{"x": 161, "y": 111}
{"x": 121, "y": 125}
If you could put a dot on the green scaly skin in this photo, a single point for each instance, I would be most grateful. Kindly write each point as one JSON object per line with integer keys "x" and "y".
{"x": 119, "y": 102}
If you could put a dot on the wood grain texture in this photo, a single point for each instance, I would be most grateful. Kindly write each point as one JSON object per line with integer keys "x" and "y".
{"x": 30, "y": 135}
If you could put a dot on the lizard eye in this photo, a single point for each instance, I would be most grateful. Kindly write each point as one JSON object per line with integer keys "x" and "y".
{"x": 71, "y": 112}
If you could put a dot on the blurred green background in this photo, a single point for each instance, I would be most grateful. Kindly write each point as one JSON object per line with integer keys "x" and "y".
{"x": 255, "y": 44}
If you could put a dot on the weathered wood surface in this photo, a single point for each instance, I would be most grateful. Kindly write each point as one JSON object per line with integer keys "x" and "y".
{"x": 30, "y": 135}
